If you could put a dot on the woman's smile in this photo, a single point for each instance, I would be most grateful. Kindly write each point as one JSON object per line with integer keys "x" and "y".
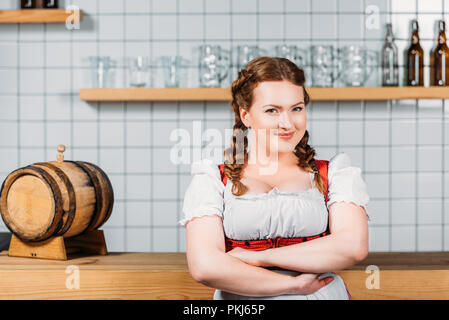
{"x": 286, "y": 136}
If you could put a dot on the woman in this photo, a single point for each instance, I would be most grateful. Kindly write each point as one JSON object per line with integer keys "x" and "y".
{"x": 279, "y": 195}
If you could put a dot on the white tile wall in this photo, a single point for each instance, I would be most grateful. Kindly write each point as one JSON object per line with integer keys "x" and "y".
{"x": 31, "y": 54}
{"x": 403, "y": 238}
{"x": 377, "y": 159}
{"x": 138, "y": 214}
{"x": 138, "y": 239}
{"x": 32, "y": 108}
{"x": 31, "y": 80}
{"x": 324, "y": 26}
{"x": 162, "y": 213}
{"x": 164, "y": 240}
{"x": 350, "y": 132}
{"x": 403, "y": 212}
{"x": 112, "y": 160}
{"x": 401, "y": 146}
{"x": 164, "y": 6}
{"x": 58, "y": 107}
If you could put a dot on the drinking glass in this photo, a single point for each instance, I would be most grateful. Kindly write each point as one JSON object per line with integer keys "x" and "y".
{"x": 172, "y": 68}
{"x": 138, "y": 71}
{"x": 323, "y": 65}
{"x": 100, "y": 68}
{"x": 246, "y": 53}
{"x": 292, "y": 53}
{"x": 356, "y": 64}
{"x": 213, "y": 64}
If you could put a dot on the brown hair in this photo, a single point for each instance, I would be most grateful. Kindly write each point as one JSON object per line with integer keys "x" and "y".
{"x": 256, "y": 71}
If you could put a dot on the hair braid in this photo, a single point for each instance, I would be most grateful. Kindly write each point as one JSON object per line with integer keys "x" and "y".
{"x": 306, "y": 160}
{"x": 236, "y": 156}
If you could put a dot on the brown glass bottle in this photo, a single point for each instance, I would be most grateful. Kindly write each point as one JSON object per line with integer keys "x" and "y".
{"x": 415, "y": 59}
{"x": 45, "y": 4}
{"x": 27, "y": 4}
{"x": 439, "y": 59}
{"x": 50, "y": 4}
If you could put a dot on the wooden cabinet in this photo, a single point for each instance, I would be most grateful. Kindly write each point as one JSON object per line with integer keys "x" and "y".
{"x": 402, "y": 275}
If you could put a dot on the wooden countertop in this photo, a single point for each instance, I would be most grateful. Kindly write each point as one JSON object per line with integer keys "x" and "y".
{"x": 147, "y": 275}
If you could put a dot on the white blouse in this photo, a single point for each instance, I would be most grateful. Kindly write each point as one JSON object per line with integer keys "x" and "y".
{"x": 275, "y": 213}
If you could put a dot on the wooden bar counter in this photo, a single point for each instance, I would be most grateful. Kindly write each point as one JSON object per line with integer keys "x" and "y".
{"x": 145, "y": 275}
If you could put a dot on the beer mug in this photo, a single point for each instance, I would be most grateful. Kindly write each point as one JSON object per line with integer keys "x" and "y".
{"x": 292, "y": 53}
{"x": 323, "y": 65}
{"x": 246, "y": 53}
{"x": 213, "y": 64}
{"x": 355, "y": 64}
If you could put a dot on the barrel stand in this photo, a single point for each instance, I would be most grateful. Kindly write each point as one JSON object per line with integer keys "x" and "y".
{"x": 59, "y": 248}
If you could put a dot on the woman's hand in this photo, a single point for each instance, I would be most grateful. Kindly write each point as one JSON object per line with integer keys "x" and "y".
{"x": 305, "y": 283}
{"x": 308, "y": 283}
{"x": 248, "y": 256}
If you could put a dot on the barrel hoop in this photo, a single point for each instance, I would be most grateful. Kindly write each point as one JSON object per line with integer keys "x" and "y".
{"x": 71, "y": 193}
{"x": 57, "y": 196}
{"x": 3, "y": 204}
{"x": 98, "y": 196}
{"x": 110, "y": 193}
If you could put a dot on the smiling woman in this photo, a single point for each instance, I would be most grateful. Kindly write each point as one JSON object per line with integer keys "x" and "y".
{"x": 287, "y": 197}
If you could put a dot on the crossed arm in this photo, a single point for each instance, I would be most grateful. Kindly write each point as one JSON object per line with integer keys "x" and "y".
{"x": 345, "y": 246}
{"x": 238, "y": 271}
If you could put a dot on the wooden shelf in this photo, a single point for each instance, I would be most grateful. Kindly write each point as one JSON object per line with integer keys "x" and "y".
{"x": 35, "y": 16}
{"x": 379, "y": 93}
{"x": 156, "y": 94}
{"x": 224, "y": 94}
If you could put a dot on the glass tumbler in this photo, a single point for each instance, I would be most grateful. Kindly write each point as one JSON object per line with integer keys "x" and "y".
{"x": 100, "y": 66}
{"x": 173, "y": 67}
{"x": 138, "y": 71}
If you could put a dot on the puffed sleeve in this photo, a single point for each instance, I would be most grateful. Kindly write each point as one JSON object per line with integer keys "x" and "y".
{"x": 204, "y": 195}
{"x": 346, "y": 182}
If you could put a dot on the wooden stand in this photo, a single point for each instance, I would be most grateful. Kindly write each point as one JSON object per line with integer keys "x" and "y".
{"x": 58, "y": 248}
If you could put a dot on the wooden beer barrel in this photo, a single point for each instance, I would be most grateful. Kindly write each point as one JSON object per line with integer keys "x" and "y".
{"x": 57, "y": 198}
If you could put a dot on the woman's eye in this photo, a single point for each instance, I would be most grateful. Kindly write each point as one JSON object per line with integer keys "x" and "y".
{"x": 268, "y": 111}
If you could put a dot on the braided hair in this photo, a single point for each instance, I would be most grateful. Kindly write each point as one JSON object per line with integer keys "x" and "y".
{"x": 236, "y": 156}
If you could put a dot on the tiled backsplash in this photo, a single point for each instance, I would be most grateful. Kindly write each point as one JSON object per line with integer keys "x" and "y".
{"x": 401, "y": 146}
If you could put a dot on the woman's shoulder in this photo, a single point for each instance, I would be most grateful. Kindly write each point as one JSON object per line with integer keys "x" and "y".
{"x": 205, "y": 166}
{"x": 340, "y": 160}
{"x": 204, "y": 194}
{"x": 345, "y": 181}
{"x": 341, "y": 163}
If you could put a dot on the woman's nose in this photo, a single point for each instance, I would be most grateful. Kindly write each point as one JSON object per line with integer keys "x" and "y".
{"x": 284, "y": 121}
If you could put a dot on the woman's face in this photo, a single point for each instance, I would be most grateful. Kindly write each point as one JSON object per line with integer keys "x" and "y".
{"x": 278, "y": 107}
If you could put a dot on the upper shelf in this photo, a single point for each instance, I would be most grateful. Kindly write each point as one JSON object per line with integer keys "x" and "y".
{"x": 35, "y": 16}
{"x": 224, "y": 94}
